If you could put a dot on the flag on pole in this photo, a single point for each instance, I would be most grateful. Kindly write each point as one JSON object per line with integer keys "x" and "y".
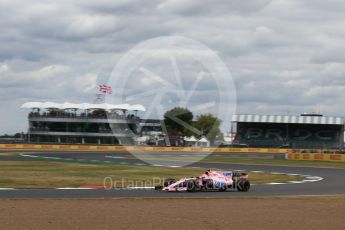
{"x": 105, "y": 89}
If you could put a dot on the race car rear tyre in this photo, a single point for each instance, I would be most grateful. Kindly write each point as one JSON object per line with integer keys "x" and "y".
{"x": 208, "y": 184}
{"x": 243, "y": 185}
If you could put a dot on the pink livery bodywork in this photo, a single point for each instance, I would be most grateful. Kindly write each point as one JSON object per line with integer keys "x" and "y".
{"x": 209, "y": 181}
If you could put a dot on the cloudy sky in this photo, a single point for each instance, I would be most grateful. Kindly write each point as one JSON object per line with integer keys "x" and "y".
{"x": 285, "y": 56}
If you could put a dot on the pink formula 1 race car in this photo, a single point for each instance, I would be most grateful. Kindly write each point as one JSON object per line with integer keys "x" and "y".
{"x": 209, "y": 181}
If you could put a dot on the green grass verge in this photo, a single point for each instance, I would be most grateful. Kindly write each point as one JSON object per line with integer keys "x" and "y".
{"x": 50, "y": 174}
{"x": 231, "y": 158}
{"x": 271, "y": 161}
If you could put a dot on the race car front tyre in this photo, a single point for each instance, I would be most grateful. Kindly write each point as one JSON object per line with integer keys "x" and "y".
{"x": 191, "y": 186}
{"x": 159, "y": 187}
{"x": 169, "y": 181}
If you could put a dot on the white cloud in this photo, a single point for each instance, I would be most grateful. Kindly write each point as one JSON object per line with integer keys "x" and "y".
{"x": 3, "y": 68}
{"x": 91, "y": 25}
{"x": 207, "y": 7}
{"x": 86, "y": 83}
{"x": 47, "y": 72}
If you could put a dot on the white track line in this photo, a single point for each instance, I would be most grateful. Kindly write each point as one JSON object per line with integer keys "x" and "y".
{"x": 134, "y": 188}
{"x": 27, "y": 155}
{"x": 275, "y": 183}
{"x": 296, "y": 182}
{"x": 114, "y": 157}
{"x": 74, "y": 188}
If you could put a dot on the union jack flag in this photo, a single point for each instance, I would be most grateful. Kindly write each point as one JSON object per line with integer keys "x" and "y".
{"x": 105, "y": 89}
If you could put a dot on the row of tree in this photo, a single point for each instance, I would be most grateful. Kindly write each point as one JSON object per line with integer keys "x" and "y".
{"x": 180, "y": 121}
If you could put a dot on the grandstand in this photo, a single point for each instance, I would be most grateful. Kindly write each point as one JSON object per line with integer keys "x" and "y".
{"x": 304, "y": 131}
{"x": 86, "y": 123}
{"x": 103, "y": 123}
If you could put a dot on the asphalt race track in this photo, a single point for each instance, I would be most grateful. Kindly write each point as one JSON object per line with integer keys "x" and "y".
{"x": 331, "y": 184}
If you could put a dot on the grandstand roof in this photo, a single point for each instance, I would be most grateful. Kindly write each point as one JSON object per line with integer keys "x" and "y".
{"x": 68, "y": 105}
{"x": 289, "y": 119}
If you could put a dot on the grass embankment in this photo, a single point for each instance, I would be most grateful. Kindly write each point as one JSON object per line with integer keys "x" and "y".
{"x": 249, "y": 160}
{"x": 271, "y": 161}
{"x": 47, "y": 174}
{"x": 230, "y": 158}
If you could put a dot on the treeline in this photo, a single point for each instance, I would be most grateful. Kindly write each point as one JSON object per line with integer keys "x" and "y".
{"x": 180, "y": 121}
{"x": 17, "y": 135}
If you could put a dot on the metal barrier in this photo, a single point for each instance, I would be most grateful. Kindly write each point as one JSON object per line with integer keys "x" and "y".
{"x": 316, "y": 157}
{"x": 141, "y": 148}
